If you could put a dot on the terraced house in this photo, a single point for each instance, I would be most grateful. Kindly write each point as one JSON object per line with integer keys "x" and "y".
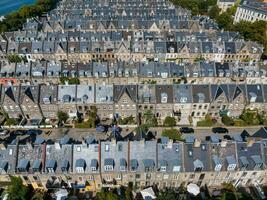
{"x": 91, "y": 164}
{"x": 182, "y": 101}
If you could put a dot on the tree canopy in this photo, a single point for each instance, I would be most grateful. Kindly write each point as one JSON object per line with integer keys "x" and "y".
{"x": 14, "y": 21}
{"x": 16, "y": 190}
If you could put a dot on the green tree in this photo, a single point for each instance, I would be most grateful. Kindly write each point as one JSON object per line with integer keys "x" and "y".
{"x": 214, "y": 12}
{"x": 150, "y": 119}
{"x": 225, "y": 21}
{"x": 71, "y": 81}
{"x": 104, "y": 194}
{"x": 129, "y": 192}
{"x": 92, "y": 117}
{"x": 14, "y": 58}
{"x": 16, "y": 190}
{"x": 167, "y": 195}
{"x": 38, "y": 196}
{"x": 15, "y": 20}
{"x": 126, "y": 120}
{"x": 169, "y": 122}
{"x": 11, "y": 121}
{"x": 250, "y": 117}
{"x": 62, "y": 116}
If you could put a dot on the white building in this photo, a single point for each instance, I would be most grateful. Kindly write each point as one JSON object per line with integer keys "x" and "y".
{"x": 225, "y": 4}
{"x": 251, "y": 11}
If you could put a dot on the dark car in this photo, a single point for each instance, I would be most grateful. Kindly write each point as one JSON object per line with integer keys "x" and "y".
{"x": 219, "y": 130}
{"x": 227, "y": 137}
{"x": 207, "y": 138}
{"x": 186, "y": 130}
{"x": 19, "y": 132}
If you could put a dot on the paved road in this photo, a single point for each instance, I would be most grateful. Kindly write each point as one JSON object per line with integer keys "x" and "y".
{"x": 79, "y": 134}
{"x": 201, "y": 133}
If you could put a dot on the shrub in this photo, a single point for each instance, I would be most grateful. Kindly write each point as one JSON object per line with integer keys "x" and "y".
{"x": 169, "y": 121}
{"x": 227, "y": 121}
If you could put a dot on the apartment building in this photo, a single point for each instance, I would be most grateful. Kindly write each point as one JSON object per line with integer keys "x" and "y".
{"x": 251, "y": 11}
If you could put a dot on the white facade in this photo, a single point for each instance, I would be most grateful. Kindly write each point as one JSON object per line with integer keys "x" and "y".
{"x": 249, "y": 13}
{"x": 225, "y": 4}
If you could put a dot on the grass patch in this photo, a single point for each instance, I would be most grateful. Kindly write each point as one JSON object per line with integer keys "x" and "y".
{"x": 172, "y": 133}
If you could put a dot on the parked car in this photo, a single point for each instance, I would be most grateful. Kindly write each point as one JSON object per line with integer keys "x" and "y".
{"x": 19, "y": 132}
{"x": 227, "y": 137}
{"x": 207, "y": 138}
{"x": 219, "y": 130}
{"x": 186, "y": 130}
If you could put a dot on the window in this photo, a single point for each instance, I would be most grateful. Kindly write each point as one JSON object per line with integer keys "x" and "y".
{"x": 120, "y": 147}
{"x": 122, "y": 168}
{"x": 163, "y": 168}
{"x": 118, "y": 177}
{"x": 108, "y": 168}
{"x": 106, "y": 148}
{"x": 93, "y": 169}
{"x": 96, "y": 148}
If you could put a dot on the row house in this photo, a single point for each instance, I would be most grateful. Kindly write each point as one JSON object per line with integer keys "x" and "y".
{"x": 137, "y": 51}
{"x": 90, "y": 164}
{"x": 182, "y": 101}
{"x": 123, "y": 72}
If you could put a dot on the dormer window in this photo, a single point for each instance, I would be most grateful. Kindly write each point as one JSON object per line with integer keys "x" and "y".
{"x": 107, "y": 148}
{"x": 80, "y": 165}
{"x": 183, "y": 99}
{"x": 47, "y": 100}
{"x": 50, "y": 166}
{"x": 164, "y": 97}
{"x": 176, "y": 166}
{"x": 134, "y": 164}
{"x": 201, "y": 97}
{"x": 198, "y": 165}
{"x": 253, "y": 97}
{"x": 231, "y": 163}
{"x": 94, "y": 165}
{"x": 217, "y": 163}
{"x": 257, "y": 161}
{"x": 108, "y": 164}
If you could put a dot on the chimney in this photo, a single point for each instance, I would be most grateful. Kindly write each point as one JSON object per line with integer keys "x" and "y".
{"x": 197, "y": 143}
{"x": 142, "y": 141}
{"x": 170, "y": 142}
{"x": 83, "y": 141}
{"x": 29, "y": 145}
{"x": 250, "y": 141}
{"x": 113, "y": 141}
{"x": 223, "y": 143}
{"x": 3, "y": 146}
{"x": 57, "y": 145}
